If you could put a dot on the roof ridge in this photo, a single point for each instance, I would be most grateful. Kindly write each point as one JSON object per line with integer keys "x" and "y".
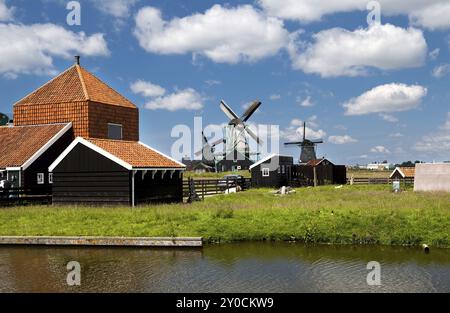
{"x": 83, "y": 83}
{"x": 107, "y": 86}
{"x": 37, "y": 125}
{"x": 44, "y": 85}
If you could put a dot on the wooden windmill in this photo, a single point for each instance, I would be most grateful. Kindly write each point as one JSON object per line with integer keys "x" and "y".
{"x": 308, "y": 147}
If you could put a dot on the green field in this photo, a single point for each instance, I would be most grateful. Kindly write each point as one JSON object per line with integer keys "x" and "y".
{"x": 356, "y": 173}
{"x": 350, "y": 215}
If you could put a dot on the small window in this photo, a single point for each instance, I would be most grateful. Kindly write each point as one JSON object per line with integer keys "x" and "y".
{"x": 115, "y": 131}
{"x": 283, "y": 169}
{"x": 265, "y": 172}
{"x": 50, "y": 178}
{"x": 40, "y": 178}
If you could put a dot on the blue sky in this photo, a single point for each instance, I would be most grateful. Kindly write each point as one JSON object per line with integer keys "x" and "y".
{"x": 373, "y": 93}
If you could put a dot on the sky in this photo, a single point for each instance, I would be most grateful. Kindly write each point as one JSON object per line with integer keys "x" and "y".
{"x": 372, "y": 91}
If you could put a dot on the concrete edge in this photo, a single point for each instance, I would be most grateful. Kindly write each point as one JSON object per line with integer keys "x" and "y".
{"x": 103, "y": 241}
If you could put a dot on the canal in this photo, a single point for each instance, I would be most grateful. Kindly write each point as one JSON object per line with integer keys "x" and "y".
{"x": 241, "y": 267}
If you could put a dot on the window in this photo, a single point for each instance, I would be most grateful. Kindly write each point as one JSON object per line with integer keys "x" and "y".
{"x": 265, "y": 172}
{"x": 50, "y": 178}
{"x": 283, "y": 169}
{"x": 40, "y": 178}
{"x": 115, "y": 131}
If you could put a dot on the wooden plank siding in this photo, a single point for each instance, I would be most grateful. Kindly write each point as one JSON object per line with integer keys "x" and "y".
{"x": 86, "y": 177}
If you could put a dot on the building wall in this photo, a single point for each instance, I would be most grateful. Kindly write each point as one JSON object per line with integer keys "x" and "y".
{"x": 76, "y": 112}
{"x": 29, "y": 177}
{"x": 87, "y": 177}
{"x": 432, "y": 177}
{"x": 277, "y": 177}
{"x": 89, "y": 119}
{"x": 102, "y": 114}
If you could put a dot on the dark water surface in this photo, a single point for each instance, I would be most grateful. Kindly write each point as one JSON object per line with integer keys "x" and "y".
{"x": 242, "y": 267}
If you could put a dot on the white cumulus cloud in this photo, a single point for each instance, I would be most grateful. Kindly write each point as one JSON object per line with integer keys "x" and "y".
{"x": 30, "y": 49}
{"x": 431, "y": 14}
{"x": 147, "y": 89}
{"x": 386, "y": 98}
{"x": 186, "y": 99}
{"x": 158, "y": 99}
{"x": 340, "y": 52}
{"x": 307, "y": 102}
{"x": 441, "y": 70}
{"x": 389, "y": 118}
{"x": 222, "y": 34}
{"x": 116, "y": 8}
{"x": 380, "y": 149}
{"x": 341, "y": 140}
{"x": 6, "y": 14}
{"x": 294, "y": 132}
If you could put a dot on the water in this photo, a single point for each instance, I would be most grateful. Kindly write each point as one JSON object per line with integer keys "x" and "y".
{"x": 243, "y": 267}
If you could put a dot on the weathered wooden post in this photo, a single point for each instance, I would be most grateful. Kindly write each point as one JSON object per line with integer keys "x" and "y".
{"x": 315, "y": 176}
{"x": 203, "y": 190}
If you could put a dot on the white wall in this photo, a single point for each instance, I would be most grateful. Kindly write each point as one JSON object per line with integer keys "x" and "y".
{"x": 432, "y": 177}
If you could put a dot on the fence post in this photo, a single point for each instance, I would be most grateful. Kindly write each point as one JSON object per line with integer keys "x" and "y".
{"x": 203, "y": 190}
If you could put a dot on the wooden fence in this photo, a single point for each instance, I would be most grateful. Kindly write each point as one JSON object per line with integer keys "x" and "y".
{"x": 20, "y": 196}
{"x": 378, "y": 181}
{"x": 209, "y": 187}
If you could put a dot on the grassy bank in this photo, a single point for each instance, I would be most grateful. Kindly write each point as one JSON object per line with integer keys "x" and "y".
{"x": 353, "y": 214}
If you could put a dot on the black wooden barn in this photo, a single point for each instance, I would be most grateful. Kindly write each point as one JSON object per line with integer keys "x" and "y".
{"x": 102, "y": 171}
{"x": 273, "y": 171}
{"x": 27, "y": 151}
{"x": 319, "y": 172}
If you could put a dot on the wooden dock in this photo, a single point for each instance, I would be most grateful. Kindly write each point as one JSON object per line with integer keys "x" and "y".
{"x": 187, "y": 242}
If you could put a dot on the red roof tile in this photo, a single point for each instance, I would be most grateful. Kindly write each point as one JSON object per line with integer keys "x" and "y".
{"x": 135, "y": 153}
{"x": 409, "y": 172}
{"x": 18, "y": 144}
{"x": 75, "y": 85}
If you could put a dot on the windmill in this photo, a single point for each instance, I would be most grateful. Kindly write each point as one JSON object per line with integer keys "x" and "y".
{"x": 235, "y": 132}
{"x": 308, "y": 147}
{"x": 208, "y": 152}
{"x": 4, "y": 119}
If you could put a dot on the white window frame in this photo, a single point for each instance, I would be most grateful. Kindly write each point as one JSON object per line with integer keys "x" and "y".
{"x": 265, "y": 172}
{"x": 40, "y": 177}
{"x": 121, "y": 130}
{"x": 50, "y": 178}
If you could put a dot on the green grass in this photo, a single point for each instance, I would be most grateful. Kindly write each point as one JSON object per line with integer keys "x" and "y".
{"x": 360, "y": 173}
{"x": 350, "y": 215}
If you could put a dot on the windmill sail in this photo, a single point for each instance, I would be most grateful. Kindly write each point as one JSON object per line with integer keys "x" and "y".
{"x": 308, "y": 147}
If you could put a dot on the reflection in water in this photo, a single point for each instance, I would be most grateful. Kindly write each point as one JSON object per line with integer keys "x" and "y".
{"x": 243, "y": 267}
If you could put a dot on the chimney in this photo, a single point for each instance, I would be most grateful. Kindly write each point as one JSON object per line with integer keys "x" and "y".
{"x": 77, "y": 60}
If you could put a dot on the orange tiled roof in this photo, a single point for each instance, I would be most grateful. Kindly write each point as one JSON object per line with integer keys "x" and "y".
{"x": 315, "y": 162}
{"x": 75, "y": 85}
{"x": 18, "y": 144}
{"x": 135, "y": 153}
{"x": 408, "y": 171}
